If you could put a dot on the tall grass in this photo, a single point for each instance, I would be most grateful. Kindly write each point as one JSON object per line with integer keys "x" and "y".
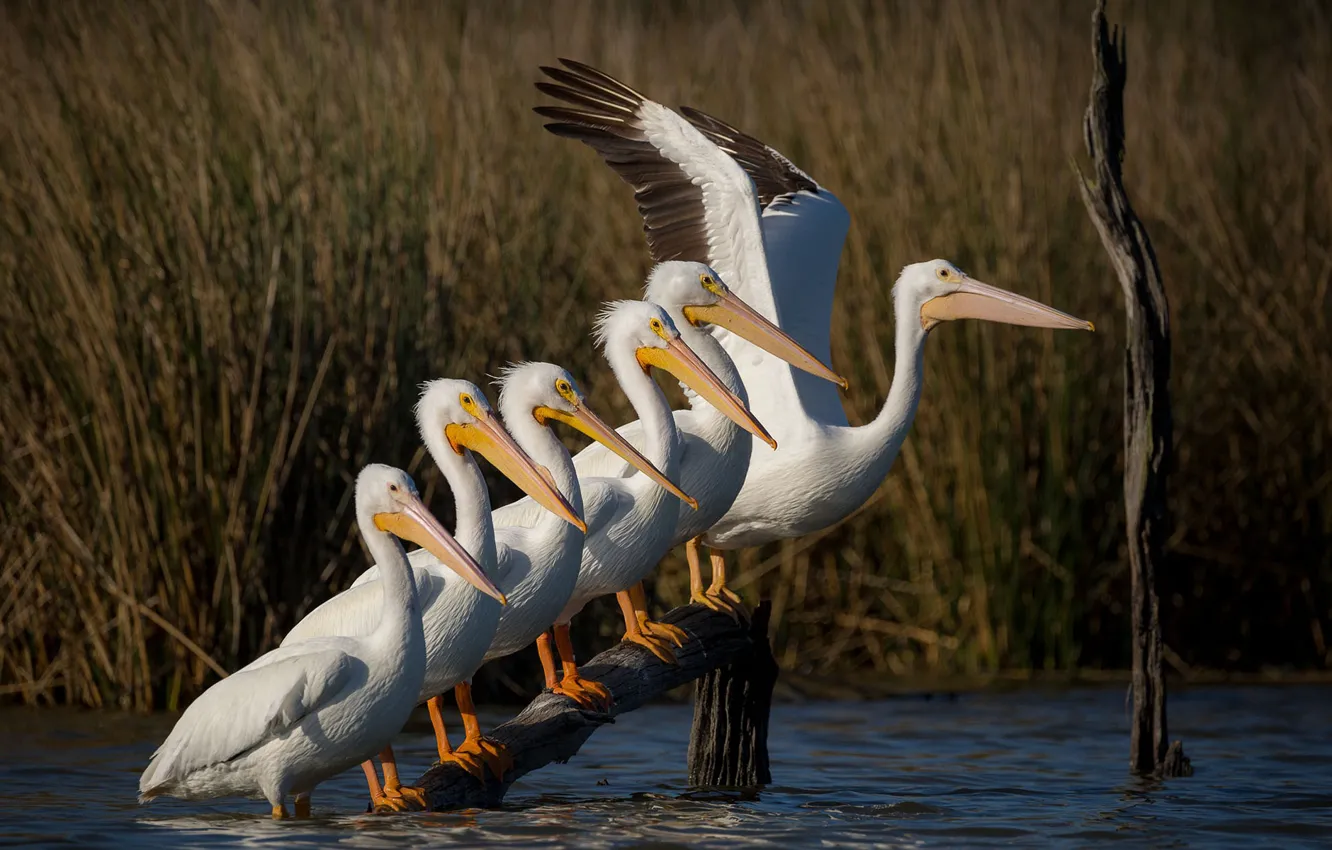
{"x": 235, "y": 236}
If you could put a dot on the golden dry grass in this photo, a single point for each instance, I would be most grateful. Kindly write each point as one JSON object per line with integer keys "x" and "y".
{"x": 235, "y": 236}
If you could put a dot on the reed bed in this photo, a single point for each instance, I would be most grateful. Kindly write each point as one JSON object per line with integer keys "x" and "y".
{"x": 235, "y": 236}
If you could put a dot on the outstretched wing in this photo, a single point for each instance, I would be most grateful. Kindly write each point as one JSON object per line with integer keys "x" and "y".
{"x": 247, "y": 709}
{"x": 697, "y": 203}
{"x": 804, "y": 228}
{"x": 699, "y": 188}
{"x": 775, "y": 177}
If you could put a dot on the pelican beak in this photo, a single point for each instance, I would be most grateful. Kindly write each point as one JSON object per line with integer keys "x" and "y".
{"x": 678, "y": 359}
{"x": 744, "y": 321}
{"x": 488, "y": 438}
{"x": 416, "y": 524}
{"x": 976, "y": 300}
{"x": 589, "y": 423}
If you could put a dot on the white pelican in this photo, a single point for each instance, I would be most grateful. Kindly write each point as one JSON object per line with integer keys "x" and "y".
{"x": 710, "y": 193}
{"x": 537, "y": 563}
{"x": 452, "y": 416}
{"x": 303, "y": 713}
{"x": 716, "y": 452}
{"x": 631, "y": 522}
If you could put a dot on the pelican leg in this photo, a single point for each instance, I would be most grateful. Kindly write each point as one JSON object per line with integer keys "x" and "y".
{"x": 494, "y": 754}
{"x": 469, "y": 761}
{"x": 633, "y": 633}
{"x": 377, "y": 801}
{"x": 588, "y": 693}
{"x": 302, "y": 805}
{"x": 280, "y": 811}
{"x": 719, "y": 588}
{"x": 708, "y": 597}
{"x": 410, "y": 797}
{"x": 436, "y": 706}
{"x": 547, "y": 653}
{"x": 651, "y": 627}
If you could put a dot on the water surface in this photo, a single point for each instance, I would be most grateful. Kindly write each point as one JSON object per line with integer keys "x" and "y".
{"x": 1038, "y": 766}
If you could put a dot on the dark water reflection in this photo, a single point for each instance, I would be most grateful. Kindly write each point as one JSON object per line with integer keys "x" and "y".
{"x": 1032, "y": 767}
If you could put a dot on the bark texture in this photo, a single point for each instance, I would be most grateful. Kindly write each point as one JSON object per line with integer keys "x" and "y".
{"x": 1147, "y": 419}
{"x": 728, "y": 745}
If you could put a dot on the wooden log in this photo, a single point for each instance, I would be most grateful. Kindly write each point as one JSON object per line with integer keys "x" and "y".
{"x": 1147, "y": 419}
{"x": 728, "y": 744}
{"x": 552, "y": 728}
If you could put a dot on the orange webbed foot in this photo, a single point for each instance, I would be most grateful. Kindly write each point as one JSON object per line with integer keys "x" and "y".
{"x": 657, "y": 646}
{"x": 722, "y": 600}
{"x": 588, "y": 693}
{"x": 661, "y": 631}
{"x": 410, "y": 798}
{"x": 469, "y": 760}
{"x": 491, "y": 752}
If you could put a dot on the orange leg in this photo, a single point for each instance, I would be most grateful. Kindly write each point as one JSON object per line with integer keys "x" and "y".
{"x": 436, "y": 706}
{"x": 547, "y": 653}
{"x": 411, "y": 796}
{"x": 493, "y": 753}
{"x": 378, "y": 801}
{"x": 588, "y": 693}
{"x": 650, "y": 627}
{"x": 633, "y": 633}
{"x": 469, "y": 761}
{"x": 719, "y": 590}
{"x": 718, "y": 596}
{"x": 302, "y": 805}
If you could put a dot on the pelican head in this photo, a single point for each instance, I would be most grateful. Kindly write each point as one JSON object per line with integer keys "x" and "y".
{"x": 458, "y": 412}
{"x": 549, "y": 393}
{"x": 645, "y": 329}
{"x": 696, "y": 293}
{"x": 386, "y": 498}
{"x": 939, "y": 291}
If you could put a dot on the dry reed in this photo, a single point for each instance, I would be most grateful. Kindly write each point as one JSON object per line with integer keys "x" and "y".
{"x": 235, "y": 236}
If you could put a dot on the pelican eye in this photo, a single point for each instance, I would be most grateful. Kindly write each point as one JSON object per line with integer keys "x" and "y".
{"x": 661, "y": 328}
{"x": 710, "y": 283}
{"x": 393, "y": 488}
{"x": 567, "y": 391}
{"x": 943, "y": 274}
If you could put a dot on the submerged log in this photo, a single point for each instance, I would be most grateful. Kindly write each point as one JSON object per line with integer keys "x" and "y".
{"x": 552, "y": 728}
{"x": 728, "y": 744}
{"x": 1147, "y": 418}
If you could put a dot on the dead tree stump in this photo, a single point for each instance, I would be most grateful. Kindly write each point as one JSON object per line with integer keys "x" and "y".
{"x": 1147, "y": 420}
{"x": 728, "y": 744}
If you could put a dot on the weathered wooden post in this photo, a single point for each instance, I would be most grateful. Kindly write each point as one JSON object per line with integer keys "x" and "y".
{"x": 728, "y": 744}
{"x": 1147, "y": 421}
{"x": 552, "y": 728}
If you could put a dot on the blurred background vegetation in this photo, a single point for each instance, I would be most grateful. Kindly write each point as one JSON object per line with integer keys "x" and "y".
{"x": 234, "y": 237}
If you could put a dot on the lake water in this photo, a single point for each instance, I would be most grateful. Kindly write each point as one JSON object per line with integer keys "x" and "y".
{"x": 1037, "y": 766}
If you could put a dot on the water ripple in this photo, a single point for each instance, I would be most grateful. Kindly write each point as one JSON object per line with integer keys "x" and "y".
{"x": 1029, "y": 767}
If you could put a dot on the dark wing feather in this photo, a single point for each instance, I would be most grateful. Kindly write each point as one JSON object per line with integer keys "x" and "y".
{"x": 775, "y": 177}
{"x": 605, "y": 117}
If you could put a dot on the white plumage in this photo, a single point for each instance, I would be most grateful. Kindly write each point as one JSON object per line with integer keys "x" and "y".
{"x": 635, "y": 526}
{"x": 301, "y": 714}
{"x": 631, "y": 521}
{"x": 538, "y": 564}
{"x": 459, "y": 623}
{"x": 776, "y": 239}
